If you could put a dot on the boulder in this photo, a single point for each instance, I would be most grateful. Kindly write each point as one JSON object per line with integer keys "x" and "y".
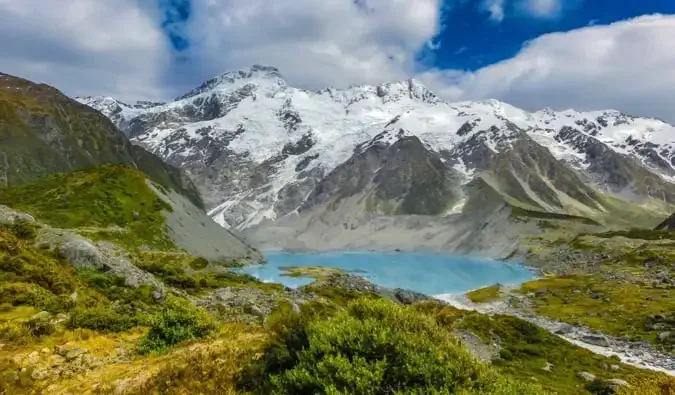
{"x": 667, "y": 336}
{"x": 615, "y": 384}
{"x": 586, "y": 376}
{"x": 82, "y": 253}
{"x": 409, "y": 297}
{"x": 9, "y": 216}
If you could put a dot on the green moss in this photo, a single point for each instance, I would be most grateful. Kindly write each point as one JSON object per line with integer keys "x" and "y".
{"x": 484, "y": 295}
{"x": 612, "y": 307}
{"x": 113, "y": 200}
{"x": 22, "y": 229}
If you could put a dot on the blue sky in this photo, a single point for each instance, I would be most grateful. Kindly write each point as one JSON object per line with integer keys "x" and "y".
{"x": 472, "y": 39}
{"x": 582, "y": 54}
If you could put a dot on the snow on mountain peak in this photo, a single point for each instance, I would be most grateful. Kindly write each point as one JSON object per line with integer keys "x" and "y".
{"x": 254, "y": 118}
{"x": 257, "y": 74}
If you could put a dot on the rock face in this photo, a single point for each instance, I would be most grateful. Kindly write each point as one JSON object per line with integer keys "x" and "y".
{"x": 266, "y": 155}
{"x": 667, "y": 224}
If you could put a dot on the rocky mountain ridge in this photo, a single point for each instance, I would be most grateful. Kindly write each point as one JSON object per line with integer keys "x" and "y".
{"x": 261, "y": 150}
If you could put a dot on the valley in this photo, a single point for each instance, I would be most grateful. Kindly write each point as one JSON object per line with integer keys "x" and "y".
{"x": 132, "y": 235}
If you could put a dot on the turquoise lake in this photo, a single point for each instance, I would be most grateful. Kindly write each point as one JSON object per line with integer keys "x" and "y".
{"x": 427, "y": 273}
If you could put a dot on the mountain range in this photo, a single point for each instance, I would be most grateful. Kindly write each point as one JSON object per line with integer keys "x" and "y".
{"x": 394, "y": 166}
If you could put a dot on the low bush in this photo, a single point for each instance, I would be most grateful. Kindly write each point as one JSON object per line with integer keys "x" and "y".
{"x": 14, "y": 332}
{"x": 101, "y": 319}
{"x": 371, "y": 347}
{"x": 32, "y": 295}
{"x": 199, "y": 263}
{"x": 178, "y": 321}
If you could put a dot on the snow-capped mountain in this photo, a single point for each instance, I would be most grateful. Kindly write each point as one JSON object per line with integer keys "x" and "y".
{"x": 260, "y": 149}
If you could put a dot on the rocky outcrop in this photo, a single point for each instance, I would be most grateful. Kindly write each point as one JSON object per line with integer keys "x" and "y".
{"x": 354, "y": 283}
{"x": 101, "y": 256}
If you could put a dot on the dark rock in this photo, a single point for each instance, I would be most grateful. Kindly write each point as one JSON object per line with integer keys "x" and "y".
{"x": 596, "y": 340}
{"x": 597, "y": 295}
{"x": 564, "y": 329}
{"x": 409, "y": 297}
{"x": 667, "y": 224}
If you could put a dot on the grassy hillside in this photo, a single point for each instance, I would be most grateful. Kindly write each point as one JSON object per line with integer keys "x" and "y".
{"x": 106, "y": 202}
{"x": 43, "y": 132}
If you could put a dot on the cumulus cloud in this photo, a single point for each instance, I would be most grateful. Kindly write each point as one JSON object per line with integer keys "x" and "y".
{"x": 314, "y": 43}
{"x": 109, "y": 47}
{"x": 118, "y": 48}
{"x": 627, "y": 65}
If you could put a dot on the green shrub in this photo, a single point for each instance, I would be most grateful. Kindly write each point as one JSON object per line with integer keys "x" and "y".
{"x": 40, "y": 326}
{"x": 20, "y": 332}
{"x": 114, "y": 288}
{"x": 339, "y": 295}
{"x": 372, "y": 347}
{"x": 101, "y": 319}
{"x": 199, "y": 263}
{"x": 32, "y": 295}
{"x": 14, "y": 332}
{"x": 176, "y": 322}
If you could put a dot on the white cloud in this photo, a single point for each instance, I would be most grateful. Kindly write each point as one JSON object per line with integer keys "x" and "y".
{"x": 117, "y": 48}
{"x": 495, "y": 8}
{"x": 84, "y": 47}
{"x": 627, "y": 65}
{"x": 542, "y": 8}
{"x": 315, "y": 43}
